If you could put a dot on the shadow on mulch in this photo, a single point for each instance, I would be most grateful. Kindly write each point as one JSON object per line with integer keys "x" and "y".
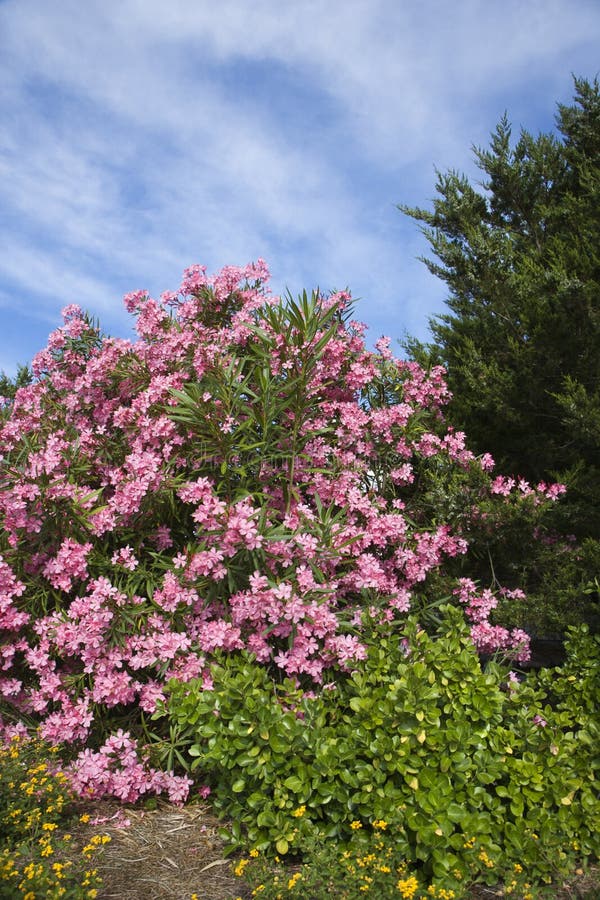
{"x": 163, "y": 854}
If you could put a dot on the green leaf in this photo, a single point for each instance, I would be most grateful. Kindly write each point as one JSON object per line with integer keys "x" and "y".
{"x": 293, "y": 783}
{"x": 282, "y": 846}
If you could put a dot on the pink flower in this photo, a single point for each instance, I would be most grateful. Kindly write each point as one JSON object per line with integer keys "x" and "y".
{"x": 69, "y": 564}
{"x": 132, "y": 554}
{"x": 125, "y": 557}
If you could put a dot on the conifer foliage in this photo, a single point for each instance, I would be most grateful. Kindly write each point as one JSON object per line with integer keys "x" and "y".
{"x": 520, "y": 254}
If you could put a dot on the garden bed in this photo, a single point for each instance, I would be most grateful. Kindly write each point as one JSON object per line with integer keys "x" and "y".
{"x": 171, "y": 853}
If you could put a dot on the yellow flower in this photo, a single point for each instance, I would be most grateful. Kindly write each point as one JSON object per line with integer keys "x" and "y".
{"x": 380, "y": 823}
{"x": 408, "y": 887}
{"x": 84, "y": 818}
{"x": 355, "y": 825}
{"x": 293, "y": 880}
{"x": 29, "y": 871}
{"x": 239, "y": 869}
{"x": 486, "y": 860}
{"x": 254, "y": 853}
{"x": 298, "y": 813}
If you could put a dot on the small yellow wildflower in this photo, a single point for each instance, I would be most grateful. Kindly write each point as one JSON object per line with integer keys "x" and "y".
{"x": 298, "y": 813}
{"x": 380, "y": 823}
{"x": 254, "y": 853}
{"x": 486, "y": 860}
{"x": 355, "y": 825}
{"x": 408, "y": 887}
{"x": 239, "y": 869}
{"x": 85, "y": 818}
{"x": 98, "y": 840}
{"x": 31, "y": 871}
{"x": 294, "y": 880}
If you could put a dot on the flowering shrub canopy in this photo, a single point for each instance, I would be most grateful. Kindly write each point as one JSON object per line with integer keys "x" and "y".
{"x": 238, "y": 477}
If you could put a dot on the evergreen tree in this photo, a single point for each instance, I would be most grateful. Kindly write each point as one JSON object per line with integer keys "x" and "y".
{"x": 9, "y": 386}
{"x": 520, "y": 254}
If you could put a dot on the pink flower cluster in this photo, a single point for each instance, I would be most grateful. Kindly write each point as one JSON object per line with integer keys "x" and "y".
{"x": 490, "y": 638}
{"x": 505, "y": 486}
{"x": 118, "y": 769}
{"x": 160, "y": 502}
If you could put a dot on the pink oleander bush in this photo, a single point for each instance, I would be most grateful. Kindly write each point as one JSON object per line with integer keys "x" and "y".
{"x": 245, "y": 475}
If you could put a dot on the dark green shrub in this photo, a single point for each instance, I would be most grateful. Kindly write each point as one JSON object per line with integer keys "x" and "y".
{"x": 449, "y": 756}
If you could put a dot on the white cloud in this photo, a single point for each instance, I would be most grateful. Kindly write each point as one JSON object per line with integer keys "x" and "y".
{"x": 141, "y": 136}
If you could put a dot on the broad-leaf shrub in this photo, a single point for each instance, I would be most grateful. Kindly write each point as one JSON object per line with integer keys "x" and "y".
{"x": 240, "y": 477}
{"x": 473, "y": 771}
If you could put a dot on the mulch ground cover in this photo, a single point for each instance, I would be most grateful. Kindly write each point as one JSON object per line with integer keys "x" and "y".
{"x": 165, "y": 853}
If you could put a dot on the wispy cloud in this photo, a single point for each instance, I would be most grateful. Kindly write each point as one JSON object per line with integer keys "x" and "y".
{"x": 139, "y": 137}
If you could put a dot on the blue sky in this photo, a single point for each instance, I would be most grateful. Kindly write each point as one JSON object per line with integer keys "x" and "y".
{"x": 141, "y": 136}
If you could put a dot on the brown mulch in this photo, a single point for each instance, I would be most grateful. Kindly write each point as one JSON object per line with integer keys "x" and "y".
{"x": 165, "y": 853}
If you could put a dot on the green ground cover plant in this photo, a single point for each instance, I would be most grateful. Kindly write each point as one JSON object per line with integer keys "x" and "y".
{"x": 36, "y": 815}
{"x": 477, "y": 774}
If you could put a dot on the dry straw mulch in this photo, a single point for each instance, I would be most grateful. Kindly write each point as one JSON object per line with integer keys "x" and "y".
{"x": 163, "y": 854}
